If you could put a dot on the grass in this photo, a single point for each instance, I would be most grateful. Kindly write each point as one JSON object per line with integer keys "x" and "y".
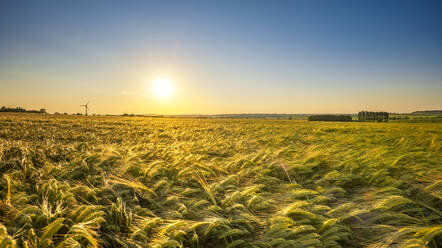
{"x": 71, "y": 181}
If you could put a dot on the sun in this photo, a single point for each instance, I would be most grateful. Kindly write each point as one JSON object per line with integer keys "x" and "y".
{"x": 162, "y": 88}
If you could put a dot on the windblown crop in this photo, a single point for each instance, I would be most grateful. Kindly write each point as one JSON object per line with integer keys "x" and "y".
{"x": 69, "y": 181}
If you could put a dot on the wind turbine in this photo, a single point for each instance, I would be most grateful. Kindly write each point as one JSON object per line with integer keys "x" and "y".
{"x": 86, "y": 108}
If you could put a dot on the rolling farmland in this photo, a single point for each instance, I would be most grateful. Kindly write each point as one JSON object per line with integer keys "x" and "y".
{"x": 75, "y": 181}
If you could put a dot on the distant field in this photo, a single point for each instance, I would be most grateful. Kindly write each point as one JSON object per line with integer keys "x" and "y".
{"x": 75, "y": 181}
{"x": 414, "y": 118}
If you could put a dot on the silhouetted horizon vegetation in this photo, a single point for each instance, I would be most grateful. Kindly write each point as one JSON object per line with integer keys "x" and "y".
{"x": 373, "y": 116}
{"x": 22, "y": 110}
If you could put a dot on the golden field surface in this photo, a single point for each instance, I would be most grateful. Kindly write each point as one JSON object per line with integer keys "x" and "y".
{"x": 75, "y": 181}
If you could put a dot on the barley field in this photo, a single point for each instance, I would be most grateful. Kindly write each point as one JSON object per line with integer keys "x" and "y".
{"x": 75, "y": 181}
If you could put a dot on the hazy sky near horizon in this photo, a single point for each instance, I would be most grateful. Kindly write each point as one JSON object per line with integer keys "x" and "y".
{"x": 222, "y": 56}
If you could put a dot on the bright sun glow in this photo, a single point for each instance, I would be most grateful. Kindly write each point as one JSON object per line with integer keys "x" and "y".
{"x": 162, "y": 88}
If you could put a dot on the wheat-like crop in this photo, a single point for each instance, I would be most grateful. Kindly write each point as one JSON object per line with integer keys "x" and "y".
{"x": 72, "y": 181}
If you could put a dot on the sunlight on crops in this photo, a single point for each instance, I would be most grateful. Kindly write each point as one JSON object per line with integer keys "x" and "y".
{"x": 71, "y": 181}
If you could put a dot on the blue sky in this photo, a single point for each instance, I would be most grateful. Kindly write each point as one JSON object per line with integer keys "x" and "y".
{"x": 222, "y": 57}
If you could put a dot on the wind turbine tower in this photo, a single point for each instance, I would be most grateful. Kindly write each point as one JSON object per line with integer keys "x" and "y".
{"x": 86, "y": 108}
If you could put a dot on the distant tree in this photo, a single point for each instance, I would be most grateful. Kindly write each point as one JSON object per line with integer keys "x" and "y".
{"x": 373, "y": 116}
{"x": 378, "y": 116}
{"x": 22, "y": 110}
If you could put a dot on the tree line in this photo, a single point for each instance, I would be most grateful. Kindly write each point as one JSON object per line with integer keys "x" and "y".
{"x": 22, "y": 110}
{"x": 373, "y": 116}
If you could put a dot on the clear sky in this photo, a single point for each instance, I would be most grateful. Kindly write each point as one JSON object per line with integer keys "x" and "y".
{"x": 309, "y": 56}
